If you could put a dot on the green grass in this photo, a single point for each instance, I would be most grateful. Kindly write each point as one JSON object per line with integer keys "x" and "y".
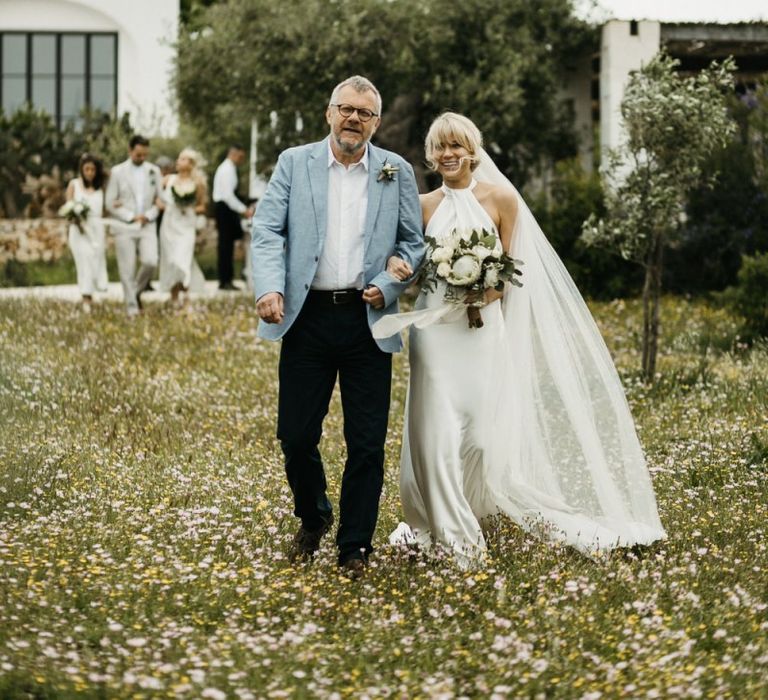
{"x": 144, "y": 517}
{"x": 38, "y": 273}
{"x": 62, "y": 271}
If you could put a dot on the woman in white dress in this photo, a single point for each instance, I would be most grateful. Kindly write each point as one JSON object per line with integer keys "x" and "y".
{"x": 87, "y": 241}
{"x": 525, "y": 416}
{"x": 184, "y": 197}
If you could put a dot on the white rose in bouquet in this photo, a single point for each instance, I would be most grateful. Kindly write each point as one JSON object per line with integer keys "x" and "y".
{"x": 466, "y": 270}
{"x": 481, "y": 252}
{"x": 491, "y": 276}
{"x": 443, "y": 254}
{"x": 444, "y": 270}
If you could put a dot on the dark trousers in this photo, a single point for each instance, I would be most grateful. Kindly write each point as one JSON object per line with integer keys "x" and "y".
{"x": 326, "y": 341}
{"x": 230, "y": 230}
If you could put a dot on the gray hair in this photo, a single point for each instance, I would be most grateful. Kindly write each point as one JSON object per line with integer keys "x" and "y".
{"x": 359, "y": 84}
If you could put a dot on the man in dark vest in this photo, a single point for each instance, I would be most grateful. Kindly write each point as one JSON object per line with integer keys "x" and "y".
{"x": 228, "y": 210}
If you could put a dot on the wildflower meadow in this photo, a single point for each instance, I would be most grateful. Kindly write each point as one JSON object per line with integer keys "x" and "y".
{"x": 145, "y": 518}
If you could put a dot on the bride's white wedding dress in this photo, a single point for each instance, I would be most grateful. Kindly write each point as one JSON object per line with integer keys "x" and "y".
{"x": 525, "y": 416}
{"x": 177, "y": 245}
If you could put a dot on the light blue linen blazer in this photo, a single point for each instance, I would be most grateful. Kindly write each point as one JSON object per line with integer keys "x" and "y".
{"x": 289, "y": 231}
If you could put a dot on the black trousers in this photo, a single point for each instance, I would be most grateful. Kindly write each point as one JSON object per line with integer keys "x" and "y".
{"x": 324, "y": 342}
{"x": 230, "y": 230}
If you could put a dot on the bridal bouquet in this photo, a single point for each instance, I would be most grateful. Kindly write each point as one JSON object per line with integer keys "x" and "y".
{"x": 184, "y": 193}
{"x": 469, "y": 261}
{"x": 76, "y": 212}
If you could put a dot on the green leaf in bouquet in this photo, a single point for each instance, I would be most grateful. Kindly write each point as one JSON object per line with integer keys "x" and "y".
{"x": 488, "y": 240}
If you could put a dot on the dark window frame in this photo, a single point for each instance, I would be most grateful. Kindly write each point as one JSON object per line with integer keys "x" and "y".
{"x": 87, "y": 69}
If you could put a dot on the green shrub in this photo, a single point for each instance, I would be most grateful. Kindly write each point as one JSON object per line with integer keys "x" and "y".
{"x": 31, "y": 148}
{"x": 28, "y": 147}
{"x": 749, "y": 297}
{"x": 730, "y": 219}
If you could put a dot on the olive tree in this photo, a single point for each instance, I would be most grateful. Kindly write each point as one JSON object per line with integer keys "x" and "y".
{"x": 672, "y": 123}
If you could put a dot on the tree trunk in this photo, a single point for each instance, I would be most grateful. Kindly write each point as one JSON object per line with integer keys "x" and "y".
{"x": 9, "y": 204}
{"x": 654, "y": 262}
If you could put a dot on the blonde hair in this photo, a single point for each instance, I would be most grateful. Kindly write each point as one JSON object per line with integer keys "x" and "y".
{"x": 198, "y": 163}
{"x": 450, "y": 127}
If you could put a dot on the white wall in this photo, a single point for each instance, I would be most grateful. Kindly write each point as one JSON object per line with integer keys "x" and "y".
{"x": 146, "y": 31}
{"x": 620, "y": 54}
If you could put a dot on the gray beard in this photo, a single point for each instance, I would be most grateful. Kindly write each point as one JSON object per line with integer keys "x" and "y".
{"x": 348, "y": 148}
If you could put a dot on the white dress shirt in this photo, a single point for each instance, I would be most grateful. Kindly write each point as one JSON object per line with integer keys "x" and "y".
{"x": 138, "y": 180}
{"x": 341, "y": 262}
{"x": 225, "y": 186}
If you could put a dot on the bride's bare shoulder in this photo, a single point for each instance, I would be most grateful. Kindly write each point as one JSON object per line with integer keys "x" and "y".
{"x": 433, "y": 196}
{"x": 502, "y": 197}
{"x": 430, "y": 200}
{"x": 429, "y": 203}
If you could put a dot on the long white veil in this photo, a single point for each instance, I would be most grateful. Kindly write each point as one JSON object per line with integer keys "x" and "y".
{"x": 565, "y": 453}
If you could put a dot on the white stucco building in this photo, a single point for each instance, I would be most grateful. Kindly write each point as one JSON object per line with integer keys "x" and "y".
{"x": 63, "y": 55}
{"x": 596, "y": 86}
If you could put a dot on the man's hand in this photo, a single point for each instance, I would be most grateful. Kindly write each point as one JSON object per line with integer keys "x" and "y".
{"x": 270, "y": 307}
{"x": 397, "y": 267}
{"x": 373, "y": 296}
{"x": 248, "y": 213}
{"x": 140, "y": 219}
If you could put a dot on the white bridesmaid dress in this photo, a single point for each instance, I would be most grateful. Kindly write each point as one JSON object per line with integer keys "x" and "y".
{"x": 89, "y": 245}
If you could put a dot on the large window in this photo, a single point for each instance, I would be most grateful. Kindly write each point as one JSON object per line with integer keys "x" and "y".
{"x": 59, "y": 73}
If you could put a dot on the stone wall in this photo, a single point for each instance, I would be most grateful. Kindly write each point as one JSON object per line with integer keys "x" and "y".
{"x": 32, "y": 240}
{"x": 29, "y": 240}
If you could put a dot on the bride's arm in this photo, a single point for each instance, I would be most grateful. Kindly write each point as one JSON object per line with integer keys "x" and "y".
{"x": 505, "y": 202}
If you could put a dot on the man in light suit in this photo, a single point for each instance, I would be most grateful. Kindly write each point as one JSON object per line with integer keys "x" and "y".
{"x": 131, "y": 197}
{"x": 332, "y": 215}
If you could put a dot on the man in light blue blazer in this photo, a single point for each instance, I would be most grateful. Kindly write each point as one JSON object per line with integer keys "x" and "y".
{"x": 332, "y": 216}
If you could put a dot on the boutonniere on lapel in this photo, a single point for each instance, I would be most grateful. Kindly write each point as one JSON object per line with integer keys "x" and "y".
{"x": 152, "y": 178}
{"x": 387, "y": 172}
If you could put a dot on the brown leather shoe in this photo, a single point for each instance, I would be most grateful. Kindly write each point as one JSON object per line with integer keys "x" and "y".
{"x": 307, "y": 542}
{"x": 353, "y": 569}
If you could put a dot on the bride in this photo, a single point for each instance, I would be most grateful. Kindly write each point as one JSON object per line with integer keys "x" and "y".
{"x": 184, "y": 195}
{"x": 524, "y": 416}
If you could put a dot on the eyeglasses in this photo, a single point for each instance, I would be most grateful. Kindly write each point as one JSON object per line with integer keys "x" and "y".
{"x": 346, "y": 111}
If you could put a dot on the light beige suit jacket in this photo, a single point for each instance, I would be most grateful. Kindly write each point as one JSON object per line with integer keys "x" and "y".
{"x": 120, "y": 199}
